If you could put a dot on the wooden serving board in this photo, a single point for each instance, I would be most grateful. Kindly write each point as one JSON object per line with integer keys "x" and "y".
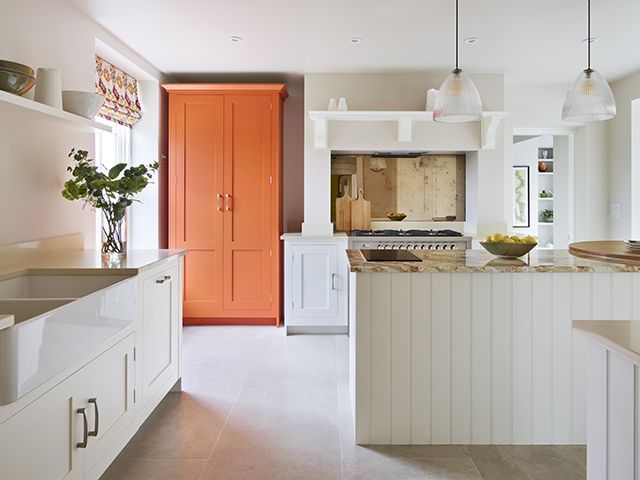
{"x": 360, "y": 213}
{"x": 343, "y": 211}
{"x": 604, "y": 250}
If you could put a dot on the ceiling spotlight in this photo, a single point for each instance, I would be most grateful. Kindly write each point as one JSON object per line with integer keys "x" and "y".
{"x": 235, "y": 39}
{"x": 355, "y": 40}
{"x": 471, "y": 40}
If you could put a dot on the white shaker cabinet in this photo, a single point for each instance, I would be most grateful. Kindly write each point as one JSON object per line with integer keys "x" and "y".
{"x": 316, "y": 284}
{"x": 159, "y": 332}
{"x": 65, "y": 432}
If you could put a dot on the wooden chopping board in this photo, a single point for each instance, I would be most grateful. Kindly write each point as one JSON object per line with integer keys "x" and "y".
{"x": 343, "y": 211}
{"x": 611, "y": 250}
{"x": 360, "y": 213}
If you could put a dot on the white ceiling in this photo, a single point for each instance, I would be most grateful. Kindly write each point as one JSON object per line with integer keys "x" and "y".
{"x": 532, "y": 41}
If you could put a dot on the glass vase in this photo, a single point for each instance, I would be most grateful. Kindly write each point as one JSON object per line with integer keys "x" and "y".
{"x": 114, "y": 239}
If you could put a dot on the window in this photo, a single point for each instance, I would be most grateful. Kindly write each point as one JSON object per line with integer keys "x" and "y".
{"x": 111, "y": 148}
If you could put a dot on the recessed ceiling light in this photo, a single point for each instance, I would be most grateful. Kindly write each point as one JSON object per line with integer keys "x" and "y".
{"x": 592, "y": 40}
{"x": 355, "y": 40}
{"x": 471, "y": 40}
{"x": 235, "y": 39}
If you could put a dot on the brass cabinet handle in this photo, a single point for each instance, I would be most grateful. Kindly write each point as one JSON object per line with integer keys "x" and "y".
{"x": 85, "y": 436}
{"x": 96, "y": 424}
{"x": 219, "y": 202}
{"x": 227, "y": 202}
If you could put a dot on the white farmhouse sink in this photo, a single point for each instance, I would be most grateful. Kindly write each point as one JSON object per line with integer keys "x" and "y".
{"x": 56, "y": 286}
{"x": 59, "y": 320}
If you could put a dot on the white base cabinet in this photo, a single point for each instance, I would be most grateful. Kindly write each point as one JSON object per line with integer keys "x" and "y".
{"x": 76, "y": 428}
{"x": 316, "y": 284}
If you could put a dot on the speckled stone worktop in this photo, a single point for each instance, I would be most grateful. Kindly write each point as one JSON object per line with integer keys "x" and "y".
{"x": 465, "y": 261}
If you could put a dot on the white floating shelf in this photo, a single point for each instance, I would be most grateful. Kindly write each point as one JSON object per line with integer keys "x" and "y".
{"x": 545, "y": 223}
{"x": 9, "y": 101}
{"x": 545, "y": 173}
{"x": 545, "y": 198}
{"x": 404, "y": 119}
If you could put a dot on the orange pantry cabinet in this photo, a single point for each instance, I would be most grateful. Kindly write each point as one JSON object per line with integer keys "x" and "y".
{"x": 225, "y": 152}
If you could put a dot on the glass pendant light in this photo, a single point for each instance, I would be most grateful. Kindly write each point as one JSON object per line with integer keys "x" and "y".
{"x": 590, "y": 98}
{"x": 458, "y": 99}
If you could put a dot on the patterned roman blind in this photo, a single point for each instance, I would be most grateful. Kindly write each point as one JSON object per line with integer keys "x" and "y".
{"x": 120, "y": 91}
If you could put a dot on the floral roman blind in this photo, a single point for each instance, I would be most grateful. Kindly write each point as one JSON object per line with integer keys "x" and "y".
{"x": 120, "y": 91}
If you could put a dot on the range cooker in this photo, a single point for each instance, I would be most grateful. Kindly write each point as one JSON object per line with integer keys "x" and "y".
{"x": 408, "y": 240}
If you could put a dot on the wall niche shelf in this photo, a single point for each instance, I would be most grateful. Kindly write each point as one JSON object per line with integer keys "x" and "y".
{"x": 405, "y": 119}
{"x": 9, "y": 102}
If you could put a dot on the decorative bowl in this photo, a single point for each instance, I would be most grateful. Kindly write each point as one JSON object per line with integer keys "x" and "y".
{"x": 84, "y": 104}
{"x": 16, "y": 78}
{"x": 396, "y": 216}
{"x": 510, "y": 250}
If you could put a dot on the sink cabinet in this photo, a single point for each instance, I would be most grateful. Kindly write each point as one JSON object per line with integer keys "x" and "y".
{"x": 115, "y": 386}
{"x": 43, "y": 440}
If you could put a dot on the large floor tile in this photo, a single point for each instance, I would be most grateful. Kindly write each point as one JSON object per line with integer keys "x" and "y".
{"x": 542, "y": 462}
{"x": 391, "y": 468}
{"x": 270, "y": 402}
{"x": 182, "y": 426}
{"x": 154, "y": 469}
{"x": 278, "y": 453}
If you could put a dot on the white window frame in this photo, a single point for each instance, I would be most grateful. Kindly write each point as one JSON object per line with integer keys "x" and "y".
{"x": 110, "y": 149}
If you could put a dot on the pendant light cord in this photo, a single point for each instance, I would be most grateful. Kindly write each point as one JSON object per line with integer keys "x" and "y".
{"x": 588, "y": 34}
{"x": 457, "y": 35}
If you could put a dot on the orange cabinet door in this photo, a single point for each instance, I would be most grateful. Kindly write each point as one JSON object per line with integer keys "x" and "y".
{"x": 250, "y": 218}
{"x": 196, "y": 129}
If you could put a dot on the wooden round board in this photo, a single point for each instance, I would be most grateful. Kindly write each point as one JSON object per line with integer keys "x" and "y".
{"x": 604, "y": 250}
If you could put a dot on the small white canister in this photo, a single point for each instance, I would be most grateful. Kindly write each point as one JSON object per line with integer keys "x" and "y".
{"x": 49, "y": 87}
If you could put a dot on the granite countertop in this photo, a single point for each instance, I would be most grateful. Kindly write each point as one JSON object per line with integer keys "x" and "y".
{"x": 461, "y": 261}
{"x": 83, "y": 262}
{"x": 619, "y": 336}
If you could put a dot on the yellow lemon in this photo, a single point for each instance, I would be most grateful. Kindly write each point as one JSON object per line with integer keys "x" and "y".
{"x": 515, "y": 238}
{"x": 508, "y": 240}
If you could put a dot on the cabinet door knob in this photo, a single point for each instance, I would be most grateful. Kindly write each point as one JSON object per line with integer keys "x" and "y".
{"x": 160, "y": 280}
{"x": 219, "y": 202}
{"x": 167, "y": 277}
{"x": 227, "y": 202}
{"x": 96, "y": 423}
{"x": 85, "y": 435}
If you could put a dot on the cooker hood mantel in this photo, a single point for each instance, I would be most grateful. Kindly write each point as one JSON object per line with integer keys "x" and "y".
{"x": 487, "y": 127}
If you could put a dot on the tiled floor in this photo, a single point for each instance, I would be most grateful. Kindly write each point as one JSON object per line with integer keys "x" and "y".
{"x": 257, "y": 405}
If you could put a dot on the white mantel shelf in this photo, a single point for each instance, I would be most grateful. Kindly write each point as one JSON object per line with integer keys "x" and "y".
{"x": 405, "y": 119}
{"x": 10, "y": 101}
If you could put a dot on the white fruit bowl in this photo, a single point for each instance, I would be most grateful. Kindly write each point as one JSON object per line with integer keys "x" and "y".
{"x": 84, "y": 104}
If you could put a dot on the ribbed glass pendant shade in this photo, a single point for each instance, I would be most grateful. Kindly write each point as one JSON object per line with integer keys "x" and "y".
{"x": 589, "y": 100}
{"x": 458, "y": 100}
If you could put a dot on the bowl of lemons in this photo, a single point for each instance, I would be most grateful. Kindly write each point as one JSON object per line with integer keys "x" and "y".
{"x": 508, "y": 246}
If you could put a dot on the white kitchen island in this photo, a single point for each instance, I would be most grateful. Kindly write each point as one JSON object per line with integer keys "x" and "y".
{"x": 465, "y": 348}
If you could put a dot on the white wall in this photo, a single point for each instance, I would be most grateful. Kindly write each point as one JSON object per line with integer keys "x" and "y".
{"x": 397, "y": 91}
{"x": 539, "y": 108}
{"x": 33, "y": 152}
{"x": 623, "y": 179}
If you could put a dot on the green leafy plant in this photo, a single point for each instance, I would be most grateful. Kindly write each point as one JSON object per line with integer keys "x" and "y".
{"x": 547, "y": 215}
{"x": 110, "y": 191}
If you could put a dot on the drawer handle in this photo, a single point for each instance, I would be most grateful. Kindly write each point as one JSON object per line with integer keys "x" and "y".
{"x": 161, "y": 280}
{"x": 333, "y": 281}
{"x": 167, "y": 277}
{"x": 96, "y": 425}
{"x": 227, "y": 202}
{"x": 85, "y": 435}
{"x": 219, "y": 202}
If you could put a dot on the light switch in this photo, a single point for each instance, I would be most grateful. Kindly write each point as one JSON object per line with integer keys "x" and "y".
{"x": 616, "y": 210}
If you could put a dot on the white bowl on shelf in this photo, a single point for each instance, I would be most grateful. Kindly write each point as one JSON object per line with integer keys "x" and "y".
{"x": 84, "y": 104}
